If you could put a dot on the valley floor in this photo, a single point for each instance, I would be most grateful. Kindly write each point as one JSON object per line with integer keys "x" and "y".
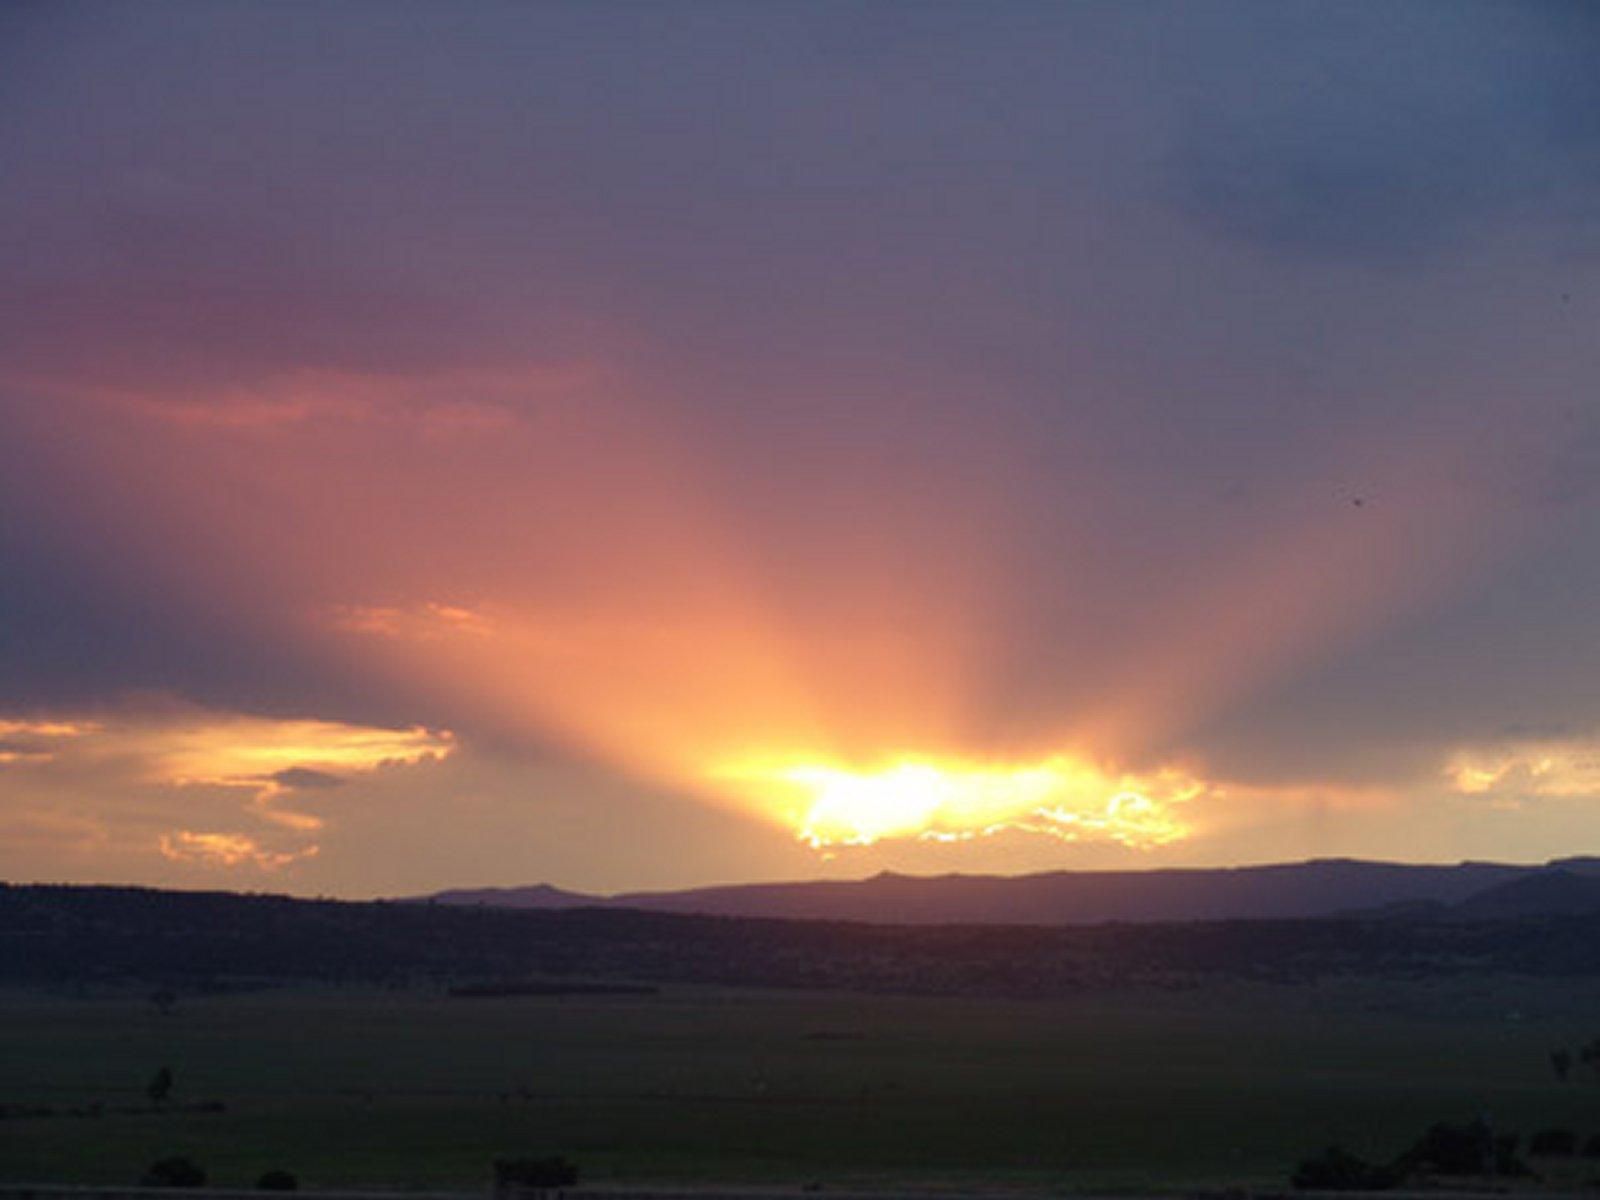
{"x": 1227, "y": 1085}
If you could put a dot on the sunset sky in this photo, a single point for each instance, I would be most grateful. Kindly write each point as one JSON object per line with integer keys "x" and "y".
{"x": 652, "y": 444}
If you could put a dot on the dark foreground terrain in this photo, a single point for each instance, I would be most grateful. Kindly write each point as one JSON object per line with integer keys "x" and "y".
{"x": 103, "y": 935}
{"x": 399, "y": 1045}
{"x": 1223, "y": 1085}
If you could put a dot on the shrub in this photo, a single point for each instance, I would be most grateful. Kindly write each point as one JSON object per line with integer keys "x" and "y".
{"x": 1470, "y": 1149}
{"x": 1337, "y": 1170}
{"x": 278, "y": 1181}
{"x": 1589, "y": 1054}
{"x": 174, "y": 1172}
{"x": 555, "y": 1171}
{"x": 1553, "y": 1142}
{"x": 160, "y": 1086}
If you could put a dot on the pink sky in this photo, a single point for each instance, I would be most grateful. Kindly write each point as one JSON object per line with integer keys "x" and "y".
{"x": 644, "y": 447}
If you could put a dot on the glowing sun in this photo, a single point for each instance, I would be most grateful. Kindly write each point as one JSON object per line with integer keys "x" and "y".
{"x": 952, "y": 800}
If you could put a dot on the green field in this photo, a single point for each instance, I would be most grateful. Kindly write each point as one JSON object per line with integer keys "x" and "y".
{"x": 1142, "y": 1090}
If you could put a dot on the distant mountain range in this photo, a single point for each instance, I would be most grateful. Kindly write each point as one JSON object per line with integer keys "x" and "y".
{"x": 1319, "y": 888}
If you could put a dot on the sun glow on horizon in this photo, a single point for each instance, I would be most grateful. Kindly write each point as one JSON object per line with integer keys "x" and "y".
{"x": 948, "y": 800}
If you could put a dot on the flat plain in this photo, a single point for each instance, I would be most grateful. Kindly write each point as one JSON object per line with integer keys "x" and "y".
{"x": 1130, "y": 1090}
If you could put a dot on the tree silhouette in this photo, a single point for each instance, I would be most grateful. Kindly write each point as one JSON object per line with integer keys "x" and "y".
{"x": 514, "y": 1175}
{"x": 1561, "y": 1063}
{"x": 1551, "y": 1142}
{"x": 174, "y": 1172}
{"x": 1337, "y": 1170}
{"x": 1470, "y": 1149}
{"x": 160, "y": 1086}
{"x": 1589, "y": 1055}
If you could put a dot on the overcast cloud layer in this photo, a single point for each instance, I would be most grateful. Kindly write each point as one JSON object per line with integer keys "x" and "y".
{"x": 479, "y": 429}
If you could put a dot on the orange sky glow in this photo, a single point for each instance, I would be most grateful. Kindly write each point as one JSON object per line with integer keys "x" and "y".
{"x": 634, "y": 628}
{"x": 777, "y": 466}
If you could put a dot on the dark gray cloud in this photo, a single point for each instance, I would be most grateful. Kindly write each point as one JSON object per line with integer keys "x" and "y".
{"x": 1392, "y": 136}
{"x": 89, "y": 613}
{"x": 305, "y": 779}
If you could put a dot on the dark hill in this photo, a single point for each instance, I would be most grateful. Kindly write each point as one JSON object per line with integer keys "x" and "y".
{"x": 540, "y": 895}
{"x": 132, "y": 936}
{"x": 1321, "y": 887}
{"x": 1554, "y": 892}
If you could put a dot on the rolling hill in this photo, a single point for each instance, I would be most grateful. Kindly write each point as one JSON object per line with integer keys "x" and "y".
{"x": 1319, "y": 888}
{"x": 197, "y": 941}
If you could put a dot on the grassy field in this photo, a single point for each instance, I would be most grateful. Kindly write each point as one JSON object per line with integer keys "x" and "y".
{"x": 1109, "y": 1091}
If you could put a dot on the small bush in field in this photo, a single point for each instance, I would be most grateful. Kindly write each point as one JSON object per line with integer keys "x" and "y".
{"x": 1337, "y": 1170}
{"x": 1553, "y": 1142}
{"x": 176, "y": 1171}
{"x": 551, "y": 1172}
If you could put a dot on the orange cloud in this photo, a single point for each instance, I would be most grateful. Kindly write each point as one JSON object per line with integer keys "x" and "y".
{"x": 35, "y": 741}
{"x": 276, "y": 764}
{"x": 430, "y": 619}
{"x": 1512, "y": 773}
{"x": 47, "y": 728}
{"x": 227, "y": 850}
{"x": 243, "y": 751}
